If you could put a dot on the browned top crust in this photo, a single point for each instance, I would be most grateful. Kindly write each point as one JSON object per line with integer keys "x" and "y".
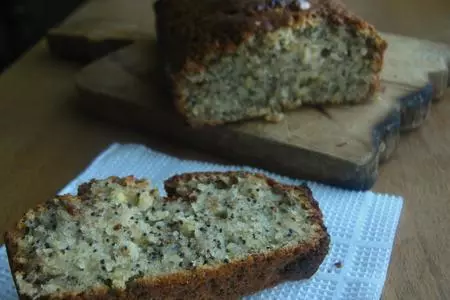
{"x": 190, "y": 30}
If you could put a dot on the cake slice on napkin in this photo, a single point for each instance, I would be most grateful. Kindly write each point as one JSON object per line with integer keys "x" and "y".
{"x": 215, "y": 236}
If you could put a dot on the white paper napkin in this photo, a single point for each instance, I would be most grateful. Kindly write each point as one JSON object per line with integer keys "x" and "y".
{"x": 362, "y": 226}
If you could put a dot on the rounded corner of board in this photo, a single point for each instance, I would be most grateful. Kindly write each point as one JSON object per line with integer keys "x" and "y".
{"x": 363, "y": 183}
{"x": 415, "y": 107}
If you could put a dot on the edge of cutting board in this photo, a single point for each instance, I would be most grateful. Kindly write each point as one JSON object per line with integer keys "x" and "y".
{"x": 412, "y": 110}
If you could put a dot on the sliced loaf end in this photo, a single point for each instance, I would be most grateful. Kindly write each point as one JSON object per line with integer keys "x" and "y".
{"x": 236, "y": 60}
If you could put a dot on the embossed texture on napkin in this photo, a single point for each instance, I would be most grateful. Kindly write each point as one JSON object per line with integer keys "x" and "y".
{"x": 362, "y": 226}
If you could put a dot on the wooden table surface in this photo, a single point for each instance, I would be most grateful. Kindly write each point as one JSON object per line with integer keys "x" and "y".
{"x": 45, "y": 142}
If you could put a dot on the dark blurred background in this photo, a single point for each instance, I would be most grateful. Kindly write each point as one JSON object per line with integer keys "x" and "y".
{"x": 24, "y": 22}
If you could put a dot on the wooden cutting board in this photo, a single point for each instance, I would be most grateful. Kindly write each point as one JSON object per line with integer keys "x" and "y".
{"x": 336, "y": 145}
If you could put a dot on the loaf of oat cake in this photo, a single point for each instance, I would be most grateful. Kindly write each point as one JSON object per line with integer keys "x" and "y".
{"x": 231, "y": 60}
{"x": 215, "y": 236}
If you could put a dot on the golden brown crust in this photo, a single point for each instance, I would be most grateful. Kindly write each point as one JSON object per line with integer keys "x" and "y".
{"x": 226, "y": 281}
{"x": 190, "y": 34}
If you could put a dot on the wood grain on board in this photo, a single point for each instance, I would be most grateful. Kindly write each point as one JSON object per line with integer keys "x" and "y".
{"x": 100, "y": 27}
{"x": 338, "y": 145}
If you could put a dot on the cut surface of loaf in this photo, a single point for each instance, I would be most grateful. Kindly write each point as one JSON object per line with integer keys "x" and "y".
{"x": 215, "y": 236}
{"x": 231, "y": 60}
